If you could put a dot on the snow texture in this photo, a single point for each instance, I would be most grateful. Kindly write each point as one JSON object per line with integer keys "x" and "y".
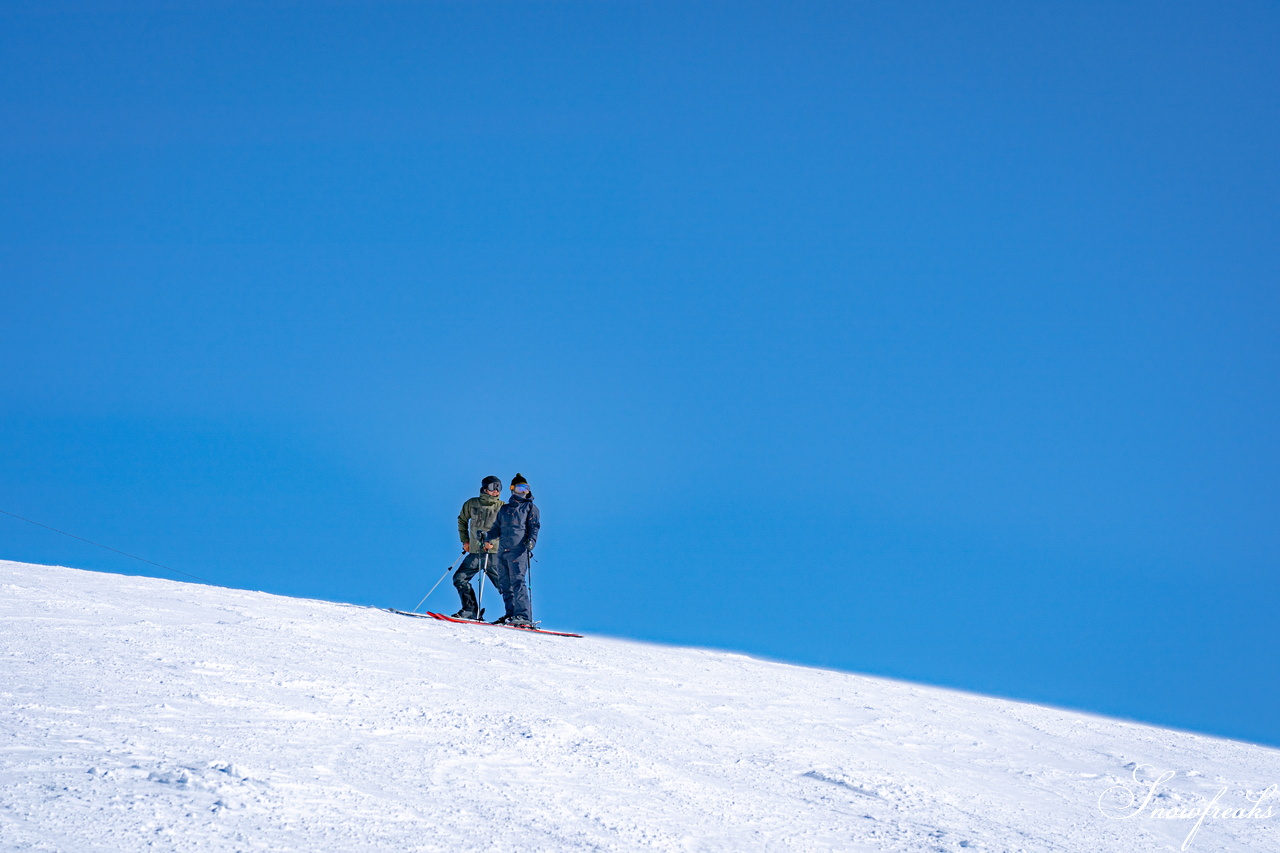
{"x": 145, "y": 714}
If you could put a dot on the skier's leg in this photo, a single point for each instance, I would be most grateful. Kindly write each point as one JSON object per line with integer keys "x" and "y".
{"x": 470, "y": 565}
{"x": 519, "y": 584}
{"x": 462, "y": 583}
{"x": 504, "y": 579}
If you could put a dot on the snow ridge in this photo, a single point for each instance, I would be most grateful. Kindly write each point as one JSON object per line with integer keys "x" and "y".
{"x": 146, "y": 714}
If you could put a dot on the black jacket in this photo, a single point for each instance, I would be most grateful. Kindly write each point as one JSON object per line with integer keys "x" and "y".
{"x": 517, "y": 525}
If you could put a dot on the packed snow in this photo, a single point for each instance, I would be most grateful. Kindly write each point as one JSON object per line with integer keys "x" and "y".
{"x": 146, "y": 714}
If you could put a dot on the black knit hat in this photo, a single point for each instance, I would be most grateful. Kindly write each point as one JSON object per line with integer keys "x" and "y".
{"x": 519, "y": 480}
{"x": 491, "y": 483}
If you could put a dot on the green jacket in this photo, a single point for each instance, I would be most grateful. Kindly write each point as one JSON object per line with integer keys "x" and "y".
{"x": 475, "y": 520}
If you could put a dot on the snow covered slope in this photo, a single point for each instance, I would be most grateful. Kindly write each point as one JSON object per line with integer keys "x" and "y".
{"x": 142, "y": 714}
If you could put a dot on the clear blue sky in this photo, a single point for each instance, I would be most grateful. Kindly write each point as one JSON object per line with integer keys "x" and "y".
{"x": 935, "y": 340}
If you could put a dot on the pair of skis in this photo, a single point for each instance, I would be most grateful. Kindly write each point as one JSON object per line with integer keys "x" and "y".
{"x": 443, "y": 618}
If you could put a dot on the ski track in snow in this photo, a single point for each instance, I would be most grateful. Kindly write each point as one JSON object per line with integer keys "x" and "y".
{"x": 146, "y": 714}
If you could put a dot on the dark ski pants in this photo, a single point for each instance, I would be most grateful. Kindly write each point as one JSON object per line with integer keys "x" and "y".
{"x": 513, "y": 580}
{"x": 471, "y": 566}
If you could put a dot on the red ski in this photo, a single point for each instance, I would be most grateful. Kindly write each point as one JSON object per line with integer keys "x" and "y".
{"x": 443, "y": 618}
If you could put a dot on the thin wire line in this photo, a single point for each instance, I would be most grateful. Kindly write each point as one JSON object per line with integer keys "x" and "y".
{"x": 109, "y": 548}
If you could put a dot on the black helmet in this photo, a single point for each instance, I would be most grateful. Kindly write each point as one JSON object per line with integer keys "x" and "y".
{"x": 491, "y": 484}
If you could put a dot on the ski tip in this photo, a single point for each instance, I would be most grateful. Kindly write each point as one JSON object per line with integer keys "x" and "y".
{"x": 405, "y": 612}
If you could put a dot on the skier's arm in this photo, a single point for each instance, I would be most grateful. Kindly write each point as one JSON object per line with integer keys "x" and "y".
{"x": 495, "y": 532}
{"x": 463, "y": 533}
{"x": 532, "y": 525}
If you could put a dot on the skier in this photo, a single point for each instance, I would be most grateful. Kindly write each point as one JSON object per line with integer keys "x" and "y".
{"x": 474, "y": 521}
{"x": 516, "y": 529}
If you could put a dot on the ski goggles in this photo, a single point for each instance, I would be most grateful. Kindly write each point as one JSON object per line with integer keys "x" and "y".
{"x": 522, "y": 488}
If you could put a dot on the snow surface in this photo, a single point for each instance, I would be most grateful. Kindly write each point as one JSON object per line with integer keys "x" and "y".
{"x": 145, "y": 714}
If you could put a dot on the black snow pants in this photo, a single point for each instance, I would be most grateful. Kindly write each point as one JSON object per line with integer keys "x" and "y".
{"x": 513, "y": 580}
{"x": 471, "y": 566}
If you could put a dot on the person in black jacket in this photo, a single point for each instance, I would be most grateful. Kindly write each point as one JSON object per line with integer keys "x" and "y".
{"x": 516, "y": 529}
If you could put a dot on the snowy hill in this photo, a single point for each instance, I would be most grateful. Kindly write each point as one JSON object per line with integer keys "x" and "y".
{"x": 142, "y": 714}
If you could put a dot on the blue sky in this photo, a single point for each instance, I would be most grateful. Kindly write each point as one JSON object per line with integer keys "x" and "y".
{"x": 934, "y": 340}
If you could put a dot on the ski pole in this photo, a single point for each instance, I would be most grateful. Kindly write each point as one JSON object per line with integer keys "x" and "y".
{"x": 483, "y": 574}
{"x": 442, "y": 577}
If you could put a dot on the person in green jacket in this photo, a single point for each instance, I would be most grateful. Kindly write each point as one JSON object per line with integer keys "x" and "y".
{"x": 473, "y": 523}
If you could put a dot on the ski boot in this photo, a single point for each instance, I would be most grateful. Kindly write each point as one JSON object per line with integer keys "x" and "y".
{"x": 469, "y": 605}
